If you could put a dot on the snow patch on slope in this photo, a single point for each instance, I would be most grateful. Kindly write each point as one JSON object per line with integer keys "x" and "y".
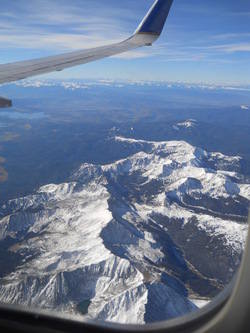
{"x": 88, "y": 244}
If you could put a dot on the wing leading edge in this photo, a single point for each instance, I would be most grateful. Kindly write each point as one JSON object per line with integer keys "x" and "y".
{"x": 148, "y": 32}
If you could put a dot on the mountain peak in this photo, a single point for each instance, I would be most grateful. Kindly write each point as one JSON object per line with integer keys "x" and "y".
{"x": 114, "y": 237}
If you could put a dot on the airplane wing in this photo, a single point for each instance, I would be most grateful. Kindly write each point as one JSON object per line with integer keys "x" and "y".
{"x": 147, "y": 33}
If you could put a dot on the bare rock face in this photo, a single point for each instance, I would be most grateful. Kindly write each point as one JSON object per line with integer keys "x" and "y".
{"x": 128, "y": 242}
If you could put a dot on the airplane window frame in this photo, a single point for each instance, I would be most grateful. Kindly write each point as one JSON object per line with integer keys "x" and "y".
{"x": 230, "y": 308}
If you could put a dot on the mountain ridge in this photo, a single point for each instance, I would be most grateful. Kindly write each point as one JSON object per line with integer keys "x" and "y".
{"x": 109, "y": 241}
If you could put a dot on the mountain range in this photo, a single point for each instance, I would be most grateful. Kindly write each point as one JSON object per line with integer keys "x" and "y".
{"x": 139, "y": 240}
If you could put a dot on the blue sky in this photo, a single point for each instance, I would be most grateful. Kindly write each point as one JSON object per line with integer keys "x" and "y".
{"x": 203, "y": 41}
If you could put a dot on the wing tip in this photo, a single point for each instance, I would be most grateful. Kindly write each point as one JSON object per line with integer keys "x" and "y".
{"x": 153, "y": 23}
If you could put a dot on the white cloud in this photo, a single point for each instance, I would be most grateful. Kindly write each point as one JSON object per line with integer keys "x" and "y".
{"x": 230, "y": 48}
{"x": 226, "y": 36}
{"x": 64, "y": 27}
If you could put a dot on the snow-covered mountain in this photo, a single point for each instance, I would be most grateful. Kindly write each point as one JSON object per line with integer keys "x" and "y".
{"x": 187, "y": 124}
{"x": 133, "y": 241}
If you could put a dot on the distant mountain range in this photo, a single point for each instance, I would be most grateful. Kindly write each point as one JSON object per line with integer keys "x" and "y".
{"x": 83, "y": 84}
{"x": 135, "y": 241}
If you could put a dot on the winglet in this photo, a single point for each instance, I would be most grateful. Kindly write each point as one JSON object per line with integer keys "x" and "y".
{"x": 155, "y": 19}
